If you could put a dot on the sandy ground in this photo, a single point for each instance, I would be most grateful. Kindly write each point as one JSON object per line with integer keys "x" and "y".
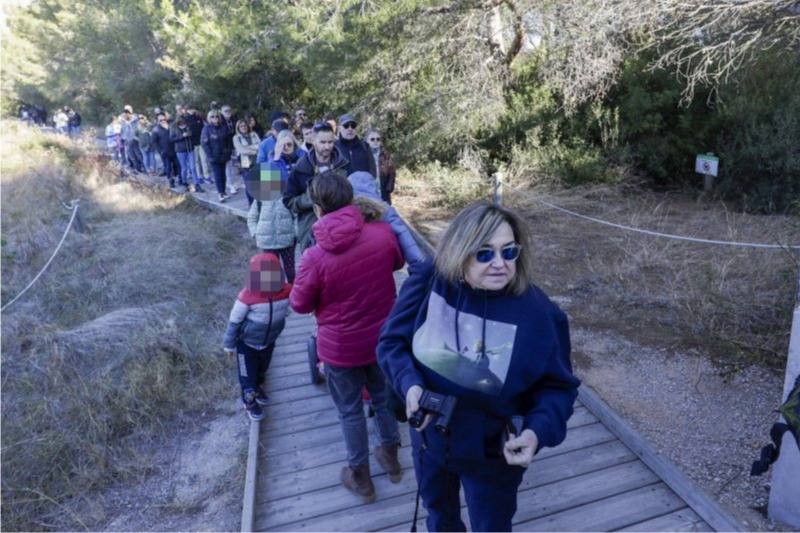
{"x": 707, "y": 419}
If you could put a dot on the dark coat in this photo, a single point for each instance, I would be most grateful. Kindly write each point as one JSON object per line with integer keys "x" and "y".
{"x": 182, "y": 143}
{"x": 359, "y": 155}
{"x": 296, "y": 197}
{"x": 217, "y": 142}
{"x": 161, "y": 142}
{"x": 196, "y": 125}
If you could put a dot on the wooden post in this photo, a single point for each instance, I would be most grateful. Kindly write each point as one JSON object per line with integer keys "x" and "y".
{"x": 498, "y": 188}
{"x": 784, "y": 494}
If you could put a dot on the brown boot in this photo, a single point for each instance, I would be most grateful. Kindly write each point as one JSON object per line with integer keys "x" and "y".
{"x": 358, "y": 481}
{"x": 387, "y": 458}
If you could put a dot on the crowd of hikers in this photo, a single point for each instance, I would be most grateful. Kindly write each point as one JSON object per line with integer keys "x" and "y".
{"x": 219, "y": 148}
{"x": 475, "y": 355}
{"x": 65, "y": 120}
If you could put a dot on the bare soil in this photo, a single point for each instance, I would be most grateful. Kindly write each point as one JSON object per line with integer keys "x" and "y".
{"x": 657, "y": 325}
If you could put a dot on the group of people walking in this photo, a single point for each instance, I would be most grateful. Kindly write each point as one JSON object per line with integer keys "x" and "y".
{"x": 219, "y": 148}
{"x": 469, "y": 327}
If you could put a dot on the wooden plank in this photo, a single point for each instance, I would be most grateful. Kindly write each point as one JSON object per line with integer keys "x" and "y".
{"x": 333, "y": 497}
{"x": 280, "y": 410}
{"x": 608, "y": 514}
{"x": 320, "y": 436}
{"x": 705, "y": 506}
{"x": 681, "y": 520}
{"x": 248, "y": 502}
{"x": 556, "y": 496}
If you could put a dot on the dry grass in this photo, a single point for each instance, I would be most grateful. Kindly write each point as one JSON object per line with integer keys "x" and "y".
{"x": 118, "y": 341}
{"x": 732, "y": 303}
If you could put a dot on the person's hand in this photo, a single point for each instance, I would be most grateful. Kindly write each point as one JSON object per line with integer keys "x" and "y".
{"x": 520, "y": 450}
{"x": 412, "y": 405}
{"x": 229, "y": 352}
{"x": 276, "y": 156}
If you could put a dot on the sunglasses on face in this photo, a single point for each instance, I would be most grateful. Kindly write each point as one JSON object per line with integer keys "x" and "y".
{"x": 374, "y": 139}
{"x": 508, "y": 253}
{"x": 349, "y": 125}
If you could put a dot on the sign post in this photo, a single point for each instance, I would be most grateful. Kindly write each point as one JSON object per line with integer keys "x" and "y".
{"x": 784, "y": 494}
{"x": 498, "y": 189}
{"x": 707, "y": 165}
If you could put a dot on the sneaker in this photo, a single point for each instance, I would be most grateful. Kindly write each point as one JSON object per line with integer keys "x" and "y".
{"x": 222, "y": 197}
{"x": 171, "y": 183}
{"x": 252, "y": 407}
{"x": 199, "y": 188}
{"x": 261, "y": 397}
{"x": 358, "y": 481}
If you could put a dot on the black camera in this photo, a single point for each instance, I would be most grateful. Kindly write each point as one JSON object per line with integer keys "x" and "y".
{"x": 439, "y": 405}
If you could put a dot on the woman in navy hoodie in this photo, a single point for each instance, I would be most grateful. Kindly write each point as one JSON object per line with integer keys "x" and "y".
{"x": 472, "y": 325}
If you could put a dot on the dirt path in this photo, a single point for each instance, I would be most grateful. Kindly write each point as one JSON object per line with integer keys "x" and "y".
{"x": 709, "y": 419}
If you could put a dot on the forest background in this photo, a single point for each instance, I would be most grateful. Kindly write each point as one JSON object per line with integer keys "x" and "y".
{"x": 549, "y": 92}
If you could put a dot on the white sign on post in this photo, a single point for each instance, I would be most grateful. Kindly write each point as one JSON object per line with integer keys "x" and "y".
{"x": 706, "y": 164}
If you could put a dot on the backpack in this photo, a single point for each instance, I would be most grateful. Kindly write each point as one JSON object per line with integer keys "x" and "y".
{"x": 790, "y": 410}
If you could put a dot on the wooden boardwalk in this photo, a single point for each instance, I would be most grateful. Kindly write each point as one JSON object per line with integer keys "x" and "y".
{"x": 603, "y": 477}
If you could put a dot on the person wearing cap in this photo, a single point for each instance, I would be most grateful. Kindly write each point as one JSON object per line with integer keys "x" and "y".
{"x": 355, "y": 150}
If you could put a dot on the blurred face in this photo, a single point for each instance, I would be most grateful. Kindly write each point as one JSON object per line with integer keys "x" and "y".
{"x": 162, "y": 121}
{"x": 308, "y": 135}
{"x": 348, "y": 130}
{"x": 288, "y": 147}
{"x": 252, "y": 122}
{"x": 490, "y": 267}
{"x": 265, "y": 185}
{"x": 374, "y": 140}
{"x": 180, "y": 110}
{"x": 268, "y": 277}
{"x": 243, "y": 129}
{"x": 215, "y": 119}
{"x": 227, "y": 112}
{"x": 323, "y": 145}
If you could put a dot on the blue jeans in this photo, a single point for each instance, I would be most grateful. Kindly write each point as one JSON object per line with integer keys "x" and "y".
{"x": 188, "y": 169}
{"x": 490, "y": 490}
{"x": 149, "y": 160}
{"x": 345, "y": 385}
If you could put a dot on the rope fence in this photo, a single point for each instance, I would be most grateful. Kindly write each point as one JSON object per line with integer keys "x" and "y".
{"x": 75, "y": 205}
{"x": 655, "y": 233}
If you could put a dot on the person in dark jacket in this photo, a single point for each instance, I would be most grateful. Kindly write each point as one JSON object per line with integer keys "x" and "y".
{"x": 161, "y": 141}
{"x": 181, "y": 136}
{"x": 196, "y": 124}
{"x": 215, "y": 140}
{"x": 255, "y": 126}
{"x": 473, "y": 326}
{"x": 73, "y": 123}
{"x": 384, "y": 166}
{"x": 355, "y": 150}
{"x": 324, "y": 158}
{"x": 229, "y": 119}
{"x": 346, "y": 279}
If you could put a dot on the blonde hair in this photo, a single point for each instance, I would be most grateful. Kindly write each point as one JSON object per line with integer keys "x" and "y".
{"x": 282, "y": 136}
{"x": 471, "y": 229}
{"x": 213, "y": 113}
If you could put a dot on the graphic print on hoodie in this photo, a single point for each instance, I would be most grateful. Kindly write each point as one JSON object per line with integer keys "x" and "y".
{"x": 465, "y": 348}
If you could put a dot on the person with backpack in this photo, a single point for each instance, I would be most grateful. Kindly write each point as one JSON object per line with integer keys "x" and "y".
{"x": 257, "y": 318}
{"x": 347, "y": 280}
{"x": 472, "y": 329}
{"x": 268, "y": 220}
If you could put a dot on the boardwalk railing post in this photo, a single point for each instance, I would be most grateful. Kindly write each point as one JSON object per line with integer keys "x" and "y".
{"x": 784, "y": 494}
{"x": 497, "y": 184}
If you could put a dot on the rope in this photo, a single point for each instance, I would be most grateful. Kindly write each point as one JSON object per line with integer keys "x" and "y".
{"x": 657, "y": 233}
{"x": 76, "y": 204}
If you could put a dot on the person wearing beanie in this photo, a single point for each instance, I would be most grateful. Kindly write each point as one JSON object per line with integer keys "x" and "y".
{"x": 355, "y": 150}
{"x": 257, "y": 318}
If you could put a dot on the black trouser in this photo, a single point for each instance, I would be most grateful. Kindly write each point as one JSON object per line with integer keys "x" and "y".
{"x": 252, "y": 365}
{"x": 218, "y": 169}
{"x": 171, "y": 167}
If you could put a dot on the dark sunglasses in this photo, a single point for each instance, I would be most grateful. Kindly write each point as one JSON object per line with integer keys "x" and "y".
{"x": 509, "y": 253}
{"x": 374, "y": 139}
{"x": 349, "y": 125}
